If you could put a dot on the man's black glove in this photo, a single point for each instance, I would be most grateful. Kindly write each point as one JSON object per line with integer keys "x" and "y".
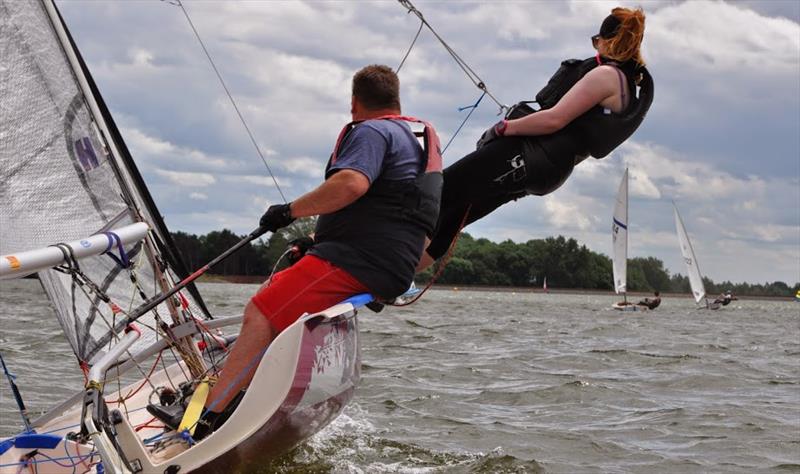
{"x": 492, "y": 133}
{"x": 276, "y": 217}
{"x": 298, "y": 248}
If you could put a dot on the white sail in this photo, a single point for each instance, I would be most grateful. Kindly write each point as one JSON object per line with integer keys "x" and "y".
{"x": 65, "y": 173}
{"x": 692, "y": 268}
{"x": 619, "y": 236}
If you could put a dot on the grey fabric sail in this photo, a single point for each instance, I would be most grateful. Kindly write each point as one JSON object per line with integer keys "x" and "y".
{"x": 61, "y": 179}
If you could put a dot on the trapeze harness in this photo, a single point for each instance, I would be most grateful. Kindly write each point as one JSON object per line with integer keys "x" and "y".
{"x": 511, "y": 167}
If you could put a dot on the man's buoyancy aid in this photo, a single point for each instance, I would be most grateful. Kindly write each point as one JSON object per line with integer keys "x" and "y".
{"x": 597, "y": 132}
{"x": 378, "y": 238}
{"x": 414, "y": 200}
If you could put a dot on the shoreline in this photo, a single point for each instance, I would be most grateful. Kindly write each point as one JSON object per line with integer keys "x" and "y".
{"x": 257, "y": 279}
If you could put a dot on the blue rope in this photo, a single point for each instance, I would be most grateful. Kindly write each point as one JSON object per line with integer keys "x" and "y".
{"x": 122, "y": 260}
{"x": 49, "y": 459}
{"x": 461, "y": 109}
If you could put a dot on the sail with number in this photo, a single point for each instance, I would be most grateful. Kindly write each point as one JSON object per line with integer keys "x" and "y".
{"x": 65, "y": 174}
{"x": 689, "y": 258}
{"x": 619, "y": 236}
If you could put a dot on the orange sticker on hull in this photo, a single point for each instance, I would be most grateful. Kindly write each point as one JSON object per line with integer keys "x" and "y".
{"x": 13, "y": 261}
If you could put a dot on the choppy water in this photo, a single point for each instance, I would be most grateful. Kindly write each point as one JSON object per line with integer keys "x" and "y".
{"x": 489, "y": 382}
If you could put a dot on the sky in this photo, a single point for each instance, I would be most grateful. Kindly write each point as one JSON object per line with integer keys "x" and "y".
{"x": 721, "y": 140}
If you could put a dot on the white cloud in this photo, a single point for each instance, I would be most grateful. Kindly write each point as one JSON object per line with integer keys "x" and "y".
{"x": 724, "y": 38}
{"x": 565, "y": 215}
{"x": 187, "y": 178}
{"x": 311, "y": 167}
{"x": 653, "y": 167}
{"x": 141, "y": 57}
{"x": 155, "y": 149}
{"x": 198, "y": 196}
{"x": 259, "y": 180}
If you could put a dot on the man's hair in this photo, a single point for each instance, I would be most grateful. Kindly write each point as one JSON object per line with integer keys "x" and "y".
{"x": 377, "y": 87}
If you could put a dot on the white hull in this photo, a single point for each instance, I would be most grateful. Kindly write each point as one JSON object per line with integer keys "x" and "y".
{"x": 629, "y": 307}
{"x": 303, "y": 382}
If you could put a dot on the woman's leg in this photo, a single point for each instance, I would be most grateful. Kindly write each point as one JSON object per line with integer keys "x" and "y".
{"x": 479, "y": 183}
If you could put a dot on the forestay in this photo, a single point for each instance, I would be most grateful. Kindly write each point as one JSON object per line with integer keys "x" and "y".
{"x": 65, "y": 174}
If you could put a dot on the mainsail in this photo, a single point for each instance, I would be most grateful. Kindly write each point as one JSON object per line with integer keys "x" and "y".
{"x": 692, "y": 268}
{"x": 65, "y": 173}
{"x": 619, "y": 236}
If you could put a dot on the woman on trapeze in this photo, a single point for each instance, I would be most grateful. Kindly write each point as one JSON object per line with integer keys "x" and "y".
{"x": 588, "y": 108}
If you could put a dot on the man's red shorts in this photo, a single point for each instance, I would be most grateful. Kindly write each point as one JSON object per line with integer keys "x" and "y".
{"x": 309, "y": 286}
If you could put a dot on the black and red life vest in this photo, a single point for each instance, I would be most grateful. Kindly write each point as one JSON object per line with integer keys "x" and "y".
{"x": 416, "y": 200}
{"x": 378, "y": 239}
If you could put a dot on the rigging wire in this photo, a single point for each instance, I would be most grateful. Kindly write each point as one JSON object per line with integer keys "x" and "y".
{"x": 472, "y": 75}
{"x": 179, "y": 3}
{"x": 397, "y": 71}
{"x": 461, "y": 109}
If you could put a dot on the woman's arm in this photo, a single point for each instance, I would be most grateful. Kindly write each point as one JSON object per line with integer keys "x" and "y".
{"x": 598, "y": 85}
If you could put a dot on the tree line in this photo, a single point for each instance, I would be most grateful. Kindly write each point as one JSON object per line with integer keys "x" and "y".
{"x": 563, "y": 261}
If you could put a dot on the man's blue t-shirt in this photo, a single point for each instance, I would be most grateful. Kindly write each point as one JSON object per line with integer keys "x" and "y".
{"x": 376, "y": 147}
{"x": 380, "y": 249}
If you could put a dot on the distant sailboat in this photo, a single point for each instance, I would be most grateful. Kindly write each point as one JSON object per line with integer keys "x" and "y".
{"x": 692, "y": 267}
{"x": 619, "y": 239}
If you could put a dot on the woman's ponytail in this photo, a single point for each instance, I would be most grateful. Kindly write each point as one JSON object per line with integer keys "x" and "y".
{"x": 626, "y": 44}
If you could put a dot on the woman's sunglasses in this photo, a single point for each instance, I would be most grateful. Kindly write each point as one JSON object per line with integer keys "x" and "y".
{"x": 595, "y": 40}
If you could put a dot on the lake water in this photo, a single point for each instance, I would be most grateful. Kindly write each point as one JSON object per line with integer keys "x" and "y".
{"x": 470, "y": 381}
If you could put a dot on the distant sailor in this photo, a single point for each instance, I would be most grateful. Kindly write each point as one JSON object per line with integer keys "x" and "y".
{"x": 651, "y": 303}
{"x": 588, "y": 108}
{"x": 725, "y": 298}
{"x": 379, "y": 200}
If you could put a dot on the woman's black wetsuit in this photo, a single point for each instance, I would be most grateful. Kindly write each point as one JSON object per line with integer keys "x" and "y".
{"x": 509, "y": 168}
{"x": 504, "y": 170}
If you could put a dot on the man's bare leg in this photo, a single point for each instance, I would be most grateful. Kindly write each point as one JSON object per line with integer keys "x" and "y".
{"x": 256, "y": 334}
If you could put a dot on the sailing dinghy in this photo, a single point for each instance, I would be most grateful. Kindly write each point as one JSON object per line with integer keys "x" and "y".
{"x": 619, "y": 240}
{"x": 692, "y": 267}
{"x": 75, "y": 210}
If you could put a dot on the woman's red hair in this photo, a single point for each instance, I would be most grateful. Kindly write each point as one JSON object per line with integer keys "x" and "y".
{"x": 626, "y": 43}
